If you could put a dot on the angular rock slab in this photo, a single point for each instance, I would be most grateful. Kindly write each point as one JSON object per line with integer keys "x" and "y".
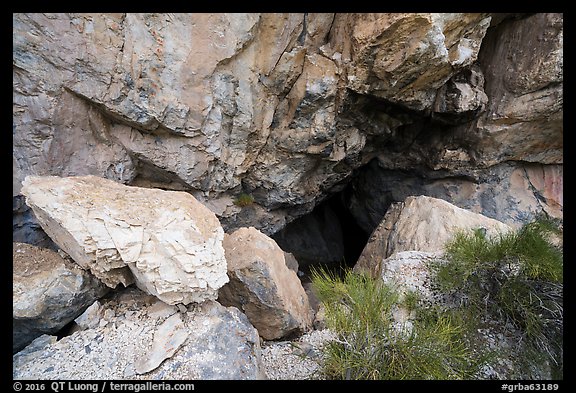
{"x": 262, "y": 286}
{"x": 47, "y": 292}
{"x": 165, "y": 241}
{"x": 420, "y": 223}
{"x": 167, "y": 340}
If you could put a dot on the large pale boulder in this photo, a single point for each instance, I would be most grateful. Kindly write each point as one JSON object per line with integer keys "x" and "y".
{"x": 139, "y": 337}
{"x": 421, "y": 224}
{"x": 262, "y": 286}
{"x": 165, "y": 241}
{"x": 48, "y": 292}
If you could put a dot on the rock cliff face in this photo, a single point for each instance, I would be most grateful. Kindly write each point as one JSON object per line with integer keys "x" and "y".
{"x": 284, "y": 107}
{"x": 182, "y": 152}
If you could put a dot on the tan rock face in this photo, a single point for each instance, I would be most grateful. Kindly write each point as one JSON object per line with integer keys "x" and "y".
{"x": 262, "y": 286}
{"x": 421, "y": 224}
{"x": 165, "y": 241}
{"x": 220, "y": 104}
{"x": 523, "y": 65}
{"x": 405, "y": 58}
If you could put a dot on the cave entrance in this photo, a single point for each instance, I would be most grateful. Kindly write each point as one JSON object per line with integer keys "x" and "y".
{"x": 327, "y": 237}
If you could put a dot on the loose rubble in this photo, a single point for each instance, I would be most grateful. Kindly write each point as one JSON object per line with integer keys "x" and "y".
{"x": 297, "y": 359}
{"x": 137, "y": 329}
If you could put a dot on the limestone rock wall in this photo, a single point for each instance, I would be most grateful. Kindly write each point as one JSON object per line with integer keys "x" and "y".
{"x": 281, "y": 106}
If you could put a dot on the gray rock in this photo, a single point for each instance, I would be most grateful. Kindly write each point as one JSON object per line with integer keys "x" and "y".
{"x": 168, "y": 338}
{"x": 48, "y": 292}
{"x": 91, "y": 317}
{"x": 462, "y": 95}
{"x": 221, "y": 344}
{"x": 523, "y": 120}
{"x": 291, "y": 262}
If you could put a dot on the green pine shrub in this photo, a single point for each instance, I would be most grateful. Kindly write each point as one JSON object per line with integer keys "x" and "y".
{"x": 371, "y": 345}
{"x": 515, "y": 279}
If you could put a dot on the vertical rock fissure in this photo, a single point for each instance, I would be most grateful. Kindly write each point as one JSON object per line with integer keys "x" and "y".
{"x": 327, "y": 237}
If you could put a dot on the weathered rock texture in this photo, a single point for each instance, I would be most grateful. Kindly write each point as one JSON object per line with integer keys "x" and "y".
{"x": 281, "y": 106}
{"x": 513, "y": 193}
{"x": 48, "y": 292}
{"x": 504, "y": 161}
{"x": 410, "y": 70}
{"x": 408, "y": 271}
{"x": 523, "y": 66}
{"x": 165, "y": 241}
{"x": 168, "y": 338}
{"x": 421, "y": 224}
{"x": 263, "y": 287}
{"x": 220, "y": 344}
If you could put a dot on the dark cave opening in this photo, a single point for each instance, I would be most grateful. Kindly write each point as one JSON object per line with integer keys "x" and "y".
{"x": 354, "y": 238}
{"x": 327, "y": 237}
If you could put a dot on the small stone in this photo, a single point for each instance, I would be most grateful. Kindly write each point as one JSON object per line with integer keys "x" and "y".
{"x": 91, "y": 317}
{"x": 160, "y": 310}
{"x": 167, "y": 340}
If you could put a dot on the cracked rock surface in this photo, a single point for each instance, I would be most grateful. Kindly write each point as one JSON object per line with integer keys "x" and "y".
{"x": 166, "y": 242}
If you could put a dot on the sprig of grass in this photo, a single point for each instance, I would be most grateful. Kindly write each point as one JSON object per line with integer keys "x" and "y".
{"x": 244, "y": 200}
